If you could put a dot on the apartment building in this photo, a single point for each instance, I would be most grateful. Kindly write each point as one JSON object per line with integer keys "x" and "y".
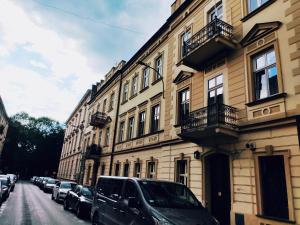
{"x": 4, "y": 122}
{"x": 72, "y": 154}
{"x": 211, "y": 100}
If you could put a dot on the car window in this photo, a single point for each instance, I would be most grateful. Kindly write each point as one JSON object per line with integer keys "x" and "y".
{"x": 77, "y": 189}
{"x": 130, "y": 190}
{"x": 110, "y": 188}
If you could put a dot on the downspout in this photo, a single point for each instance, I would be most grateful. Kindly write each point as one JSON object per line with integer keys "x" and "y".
{"x": 116, "y": 125}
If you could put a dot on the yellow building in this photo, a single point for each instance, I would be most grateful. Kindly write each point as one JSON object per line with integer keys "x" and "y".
{"x": 71, "y": 159}
{"x": 211, "y": 100}
{"x": 4, "y": 122}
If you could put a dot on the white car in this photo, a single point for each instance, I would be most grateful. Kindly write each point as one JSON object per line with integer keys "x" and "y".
{"x": 61, "y": 189}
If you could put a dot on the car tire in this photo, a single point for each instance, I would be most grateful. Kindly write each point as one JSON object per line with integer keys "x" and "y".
{"x": 52, "y": 197}
{"x": 66, "y": 205}
{"x": 95, "y": 220}
{"x": 56, "y": 198}
{"x": 79, "y": 212}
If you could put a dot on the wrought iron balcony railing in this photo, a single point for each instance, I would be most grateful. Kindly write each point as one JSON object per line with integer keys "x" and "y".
{"x": 211, "y": 116}
{"x": 99, "y": 119}
{"x": 215, "y": 28}
{"x": 93, "y": 152}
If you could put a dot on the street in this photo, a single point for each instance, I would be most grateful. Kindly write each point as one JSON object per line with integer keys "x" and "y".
{"x": 28, "y": 205}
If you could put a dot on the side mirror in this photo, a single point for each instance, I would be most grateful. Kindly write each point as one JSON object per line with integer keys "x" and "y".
{"x": 133, "y": 202}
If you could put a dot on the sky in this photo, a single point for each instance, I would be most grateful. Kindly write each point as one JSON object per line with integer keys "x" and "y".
{"x": 52, "y": 51}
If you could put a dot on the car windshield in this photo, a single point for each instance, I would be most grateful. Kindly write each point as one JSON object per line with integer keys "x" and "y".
{"x": 87, "y": 192}
{"x": 4, "y": 182}
{"x": 168, "y": 195}
{"x": 51, "y": 181}
{"x": 67, "y": 185}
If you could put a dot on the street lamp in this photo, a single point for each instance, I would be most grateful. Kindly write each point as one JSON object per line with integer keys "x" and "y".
{"x": 162, "y": 78}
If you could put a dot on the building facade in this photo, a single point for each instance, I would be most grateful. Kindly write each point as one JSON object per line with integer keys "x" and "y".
{"x": 4, "y": 122}
{"x": 72, "y": 154}
{"x": 211, "y": 100}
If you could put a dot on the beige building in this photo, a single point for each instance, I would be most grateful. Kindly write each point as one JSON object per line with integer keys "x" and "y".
{"x": 211, "y": 100}
{"x": 71, "y": 159}
{"x": 4, "y": 122}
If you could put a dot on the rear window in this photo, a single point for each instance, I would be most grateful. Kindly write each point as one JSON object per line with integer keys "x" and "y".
{"x": 51, "y": 181}
{"x": 67, "y": 185}
{"x": 110, "y": 188}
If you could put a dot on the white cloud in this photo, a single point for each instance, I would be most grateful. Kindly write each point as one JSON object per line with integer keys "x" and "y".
{"x": 38, "y": 64}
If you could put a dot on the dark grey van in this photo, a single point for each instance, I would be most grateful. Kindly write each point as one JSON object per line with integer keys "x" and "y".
{"x": 134, "y": 201}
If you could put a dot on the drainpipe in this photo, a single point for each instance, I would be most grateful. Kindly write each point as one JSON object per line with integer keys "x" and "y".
{"x": 116, "y": 124}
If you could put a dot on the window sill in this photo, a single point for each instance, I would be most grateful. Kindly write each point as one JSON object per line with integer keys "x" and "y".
{"x": 260, "y": 101}
{"x": 256, "y": 11}
{"x": 144, "y": 89}
{"x": 156, "y": 81}
{"x": 132, "y": 96}
{"x": 123, "y": 102}
{"x": 276, "y": 219}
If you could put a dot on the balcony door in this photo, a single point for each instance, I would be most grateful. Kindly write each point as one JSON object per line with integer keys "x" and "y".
{"x": 217, "y": 187}
{"x": 215, "y": 100}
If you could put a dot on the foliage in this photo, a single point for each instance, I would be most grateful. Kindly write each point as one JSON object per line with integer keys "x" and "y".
{"x": 33, "y": 145}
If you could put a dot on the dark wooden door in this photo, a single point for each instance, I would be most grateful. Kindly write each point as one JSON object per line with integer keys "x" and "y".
{"x": 219, "y": 184}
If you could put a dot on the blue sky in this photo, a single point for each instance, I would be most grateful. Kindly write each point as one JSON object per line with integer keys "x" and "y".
{"x": 51, "y": 51}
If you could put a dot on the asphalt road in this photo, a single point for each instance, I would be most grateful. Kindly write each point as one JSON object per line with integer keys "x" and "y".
{"x": 28, "y": 205}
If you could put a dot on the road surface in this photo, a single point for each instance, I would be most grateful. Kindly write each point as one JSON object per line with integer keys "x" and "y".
{"x": 28, "y": 205}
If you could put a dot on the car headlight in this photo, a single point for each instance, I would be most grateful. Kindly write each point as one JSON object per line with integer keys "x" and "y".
{"x": 160, "y": 221}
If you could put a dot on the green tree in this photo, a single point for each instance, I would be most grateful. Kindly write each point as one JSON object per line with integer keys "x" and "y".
{"x": 33, "y": 146}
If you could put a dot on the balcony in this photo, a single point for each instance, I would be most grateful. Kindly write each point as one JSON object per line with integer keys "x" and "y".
{"x": 93, "y": 152}
{"x": 99, "y": 119}
{"x": 211, "y": 126}
{"x": 212, "y": 42}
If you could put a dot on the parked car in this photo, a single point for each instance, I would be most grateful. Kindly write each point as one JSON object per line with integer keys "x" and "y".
{"x": 80, "y": 200}
{"x": 122, "y": 201}
{"x": 5, "y": 182}
{"x": 1, "y": 192}
{"x": 61, "y": 189}
{"x": 13, "y": 179}
{"x": 43, "y": 182}
{"x": 49, "y": 184}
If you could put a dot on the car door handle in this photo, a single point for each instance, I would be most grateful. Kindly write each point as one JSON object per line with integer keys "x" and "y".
{"x": 114, "y": 208}
{"x": 121, "y": 211}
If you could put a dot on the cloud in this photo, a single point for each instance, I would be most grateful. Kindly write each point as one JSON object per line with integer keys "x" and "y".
{"x": 66, "y": 53}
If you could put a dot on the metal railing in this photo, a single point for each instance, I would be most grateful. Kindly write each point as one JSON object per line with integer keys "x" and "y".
{"x": 211, "y": 116}
{"x": 98, "y": 119}
{"x": 93, "y": 151}
{"x": 215, "y": 28}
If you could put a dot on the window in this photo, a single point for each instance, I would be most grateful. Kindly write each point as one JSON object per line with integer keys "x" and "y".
{"x": 273, "y": 183}
{"x": 110, "y": 188}
{"x": 137, "y": 170}
{"x": 141, "y": 127}
{"x": 102, "y": 169}
{"x": 155, "y": 118}
{"x": 126, "y": 170}
{"x": 158, "y": 68}
{"x": 151, "y": 169}
{"x": 254, "y": 4}
{"x": 121, "y": 131}
{"x": 183, "y": 105}
{"x": 100, "y": 138}
{"x": 216, "y": 12}
{"x": 112, "y": 101}
{"x": 93, "y": 138}
{"x": 125, "y": 92}
{"x": 182, "y": 171}
{"x": 145, "y": 80}
{"x": 130, "y": 191}
{"x": 130, "y": 128}
{"x": 107, "y": 136}
{"x": 117, "y": 169}
{"x": 184, "y": 38}
{"x": 215, "y": 90}
{"x": 104, "y": 106}
{"x": 265, "y": 75}
{"x": 134, "y": 87}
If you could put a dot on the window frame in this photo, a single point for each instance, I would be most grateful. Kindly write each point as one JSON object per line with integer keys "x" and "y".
{"x": 124, "y": 166}
{"x": 107, "y": 136}
{"x": 286, "y": 158}
{"x": 111, "y": 101}
{"x": 134, "y": 85}
{"x": 135, "y": 173}
{"x": 152, "y": 118}
{"x": 115, "y": 169}
{"x": 176, "y": 174}
{"x": 143, "y": 86}
{"x": 130, "y": 129}
{"x": 121, "y": 129}
{"x": 259, "y": 5}
{"x": 160, "y": 69}
{"x": 139, "y": 122}
{"x": 125, "y": 92}
{"x": 148, "y": 172}
{"x": 179, "y": 104}
{"x": 181, "y": 39}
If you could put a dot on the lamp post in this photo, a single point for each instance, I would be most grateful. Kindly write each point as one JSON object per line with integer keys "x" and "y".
{"x": 162, "y": 78}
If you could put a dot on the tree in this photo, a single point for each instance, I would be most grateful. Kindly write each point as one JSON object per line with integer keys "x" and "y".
{"x": 33, "y": 146}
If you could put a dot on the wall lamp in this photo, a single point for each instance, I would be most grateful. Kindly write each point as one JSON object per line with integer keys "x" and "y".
{"x": 162, "y": 78}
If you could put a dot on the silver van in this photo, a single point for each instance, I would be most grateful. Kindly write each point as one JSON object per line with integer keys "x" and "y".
{"x": 134, "y": 201}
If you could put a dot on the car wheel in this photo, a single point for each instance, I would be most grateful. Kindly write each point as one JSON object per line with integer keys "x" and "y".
{"x": 66, "y": 205}
{"x": 96, "y": 220}
{"x": 52, "y": 197}
{"x": 79, "y": 212}
{"x": 56, "y": 198}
